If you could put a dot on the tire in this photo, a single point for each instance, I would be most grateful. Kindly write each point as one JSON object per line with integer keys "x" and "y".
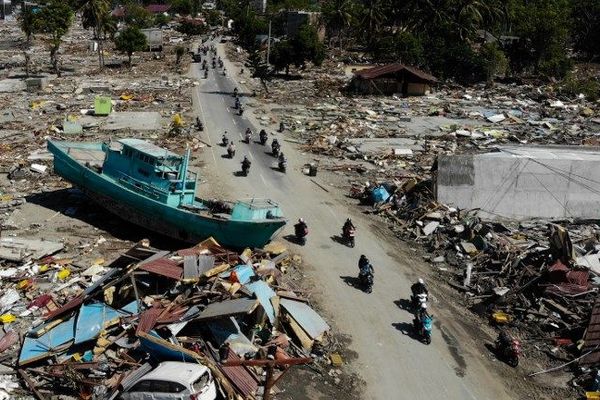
{"x": 352, "y": 243}
{"x": 427, "y": 338}
{"x": 513, "y": 361}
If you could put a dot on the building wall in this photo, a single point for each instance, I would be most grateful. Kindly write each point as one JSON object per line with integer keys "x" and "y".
{"x": 295, "y": 19}
{"x": 520, "y": 188}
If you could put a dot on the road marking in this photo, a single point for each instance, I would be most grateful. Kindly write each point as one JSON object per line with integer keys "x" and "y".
{"x": 212, "y": 151}
{"x": 235, "y": 123}
{"x": 250, "y": 154}
{"x": 263, "y": 179}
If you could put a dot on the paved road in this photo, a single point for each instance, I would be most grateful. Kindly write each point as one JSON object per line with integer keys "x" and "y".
{"x": 394, "y": 365}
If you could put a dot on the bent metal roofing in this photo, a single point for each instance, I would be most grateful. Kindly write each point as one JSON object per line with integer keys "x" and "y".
{"x": 375, "y": 72}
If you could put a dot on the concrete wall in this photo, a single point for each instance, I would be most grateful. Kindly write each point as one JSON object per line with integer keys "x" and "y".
{"x": 507, "y": 186}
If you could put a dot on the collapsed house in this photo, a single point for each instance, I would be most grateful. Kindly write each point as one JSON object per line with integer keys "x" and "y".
{"x": 553, "y": 182}
{"x": 391, "y": 79}
{"x": 227, "y": 311}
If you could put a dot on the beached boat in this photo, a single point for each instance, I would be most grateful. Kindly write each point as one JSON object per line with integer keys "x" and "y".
{"x": 152, "y": 187}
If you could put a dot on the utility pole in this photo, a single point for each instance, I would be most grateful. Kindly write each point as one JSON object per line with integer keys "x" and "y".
{"x": 269, "y": 44}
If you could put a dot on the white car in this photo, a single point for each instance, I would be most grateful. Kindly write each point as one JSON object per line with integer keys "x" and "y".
{"x": 173, "y": 380}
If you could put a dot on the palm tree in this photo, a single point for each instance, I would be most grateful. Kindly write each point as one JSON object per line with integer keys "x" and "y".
{"x": 374, "y": 17}
{"x": 340, "y": 15}
{"x": 95, "y": 14}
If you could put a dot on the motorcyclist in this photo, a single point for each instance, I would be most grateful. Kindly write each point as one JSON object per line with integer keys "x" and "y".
{"x": 199, "y": 123}
{"x": 301, "y": 229}
{"x": 504, "y": 339}
{"x": 237, "y": 102}
{"x": 281, "y": 158}
{"x": 263, "y": 136}
{"x": 275, "y": 146}
{"x": 364, "y": 264}
{"x": 348, "y": 225}
{"x": 421, "y": 314}
{"x": 235, "y": 92}
{"x": 241, "y": 110}
{"x": 248, "y": 135}
{"x": 246, "y": 163}
{"x": 231, "y": 149}
{"x": 419, "y": 288}
{"x": 225, "y": 139}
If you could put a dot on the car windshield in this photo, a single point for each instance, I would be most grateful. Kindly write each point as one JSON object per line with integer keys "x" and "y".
{"x": 201, "y": 382}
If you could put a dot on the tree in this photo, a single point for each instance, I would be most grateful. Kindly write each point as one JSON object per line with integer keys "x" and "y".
{"x": 586, "y": 27}
{"x": 191, "y": 28}
{"x": 179, "y": 53}
{"x": 54, "y": 20}
{"x": 282, "y": 56}
{"x": 131, "y": 39}
{"x": 307, "y": 46}
{"x": 136, "y": 15}
{"x": 161, "y": 20}
{"x": 95, "y": 14}
{"x": 339, "y": 16}
{"x": 183, "y": 7}
{"x": 257, "y": 65}
{"x": 27, "y": 22}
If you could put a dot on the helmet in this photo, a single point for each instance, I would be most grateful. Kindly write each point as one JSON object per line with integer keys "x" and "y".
{"x": 424, "y": 306}
{"x": 301, "y": 220}
{"x": 421, "y": 281}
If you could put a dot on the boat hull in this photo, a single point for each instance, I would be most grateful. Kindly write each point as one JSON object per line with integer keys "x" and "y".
{"x": 173, "y": 222}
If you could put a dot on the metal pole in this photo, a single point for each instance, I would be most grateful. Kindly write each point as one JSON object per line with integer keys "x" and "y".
{"x": 269, "y": 43}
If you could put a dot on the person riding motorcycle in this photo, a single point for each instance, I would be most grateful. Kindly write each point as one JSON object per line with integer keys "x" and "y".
{"x": 263, "y": 136}
{"x": 421, "y": 314}
{"x": 301, "y": 229}
{"x": 225, "y": 139}
{"x": 419, "y": 288}
{"x": 231, "y": 150}
{"x": 199, "y": 124}
{"x": 275, "y": 146}
{"x": 364, "y": 265}
{"x": 246, "y": 164}
{"x": 235, "y": 92}
{"x": 348, "y": 225}
{"x": 248, "y": 135}
{"x": 282, "y": 162}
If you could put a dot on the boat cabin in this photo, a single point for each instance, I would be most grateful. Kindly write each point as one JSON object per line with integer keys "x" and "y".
{"x": 154, "y": 171}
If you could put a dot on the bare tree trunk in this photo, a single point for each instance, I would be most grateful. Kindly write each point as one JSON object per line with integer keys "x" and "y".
{"x": 27, "y": 62}
{"x": 54, "y": 60}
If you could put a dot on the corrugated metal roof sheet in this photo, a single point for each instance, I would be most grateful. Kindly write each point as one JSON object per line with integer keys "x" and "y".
{"x": 592, "y": 337}
{"x": 306, "y": 317}
{"x": 164, "y": 267}
{"x": 243, "y": 380}
{"x": 148, "y": 148}
{"x": 376, "y": 72}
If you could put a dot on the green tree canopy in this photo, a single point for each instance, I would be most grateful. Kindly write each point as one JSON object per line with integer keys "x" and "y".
{"x": 130, "y": 40}
{"x": 54, "y": 19}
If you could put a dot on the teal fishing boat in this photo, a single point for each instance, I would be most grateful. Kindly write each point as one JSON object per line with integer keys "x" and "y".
{"x": 152, "y": 187}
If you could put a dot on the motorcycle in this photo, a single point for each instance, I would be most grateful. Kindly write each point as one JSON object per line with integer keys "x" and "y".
{"x": 263, "y": 137}
{"x": 348, "y": 236}
{"x": 510, "y": 352}
{"x": 245, "y": 168}
{"x": 231, "y": 152}
{"x": 282, "y": 165}
{"x": 241, "y": 110}
{"x": 275, "y": 149}
{"x": 301, "y": 233}
{"x": 199, "y": 125}
{"x": 366, "y": 281}
{"x": 424, "y": 328}
{"x": 418, "y": 300}
{"x": 205, "y": 74}
{"x": 248, "y": 136}
{"x": 225, "y": 140}
{"x": 237, "y": 104}
{"x": 235, "y": 92}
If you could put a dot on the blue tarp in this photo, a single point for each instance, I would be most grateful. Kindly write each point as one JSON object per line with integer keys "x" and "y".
{"x": 39, "y": 348}
{"x": 306, "y": 317}
{"x": 93, "y": 317}
{"x": 379, "y": 194}
{"x": 264, "y": 293}
{"x": 161, "y": 350}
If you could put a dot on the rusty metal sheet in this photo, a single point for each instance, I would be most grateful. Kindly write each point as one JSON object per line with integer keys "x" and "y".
{"x": 592, "y": 338}
{"x": 376, "y": 72}
{"x": 243, "y": 380}
{"x": 164, "y": 267}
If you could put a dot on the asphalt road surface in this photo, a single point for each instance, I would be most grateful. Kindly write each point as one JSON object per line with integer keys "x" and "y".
{"x": 394, "y": 365}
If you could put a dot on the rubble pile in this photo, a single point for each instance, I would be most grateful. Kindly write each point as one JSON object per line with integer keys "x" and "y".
{"x": 97, "y": 329}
